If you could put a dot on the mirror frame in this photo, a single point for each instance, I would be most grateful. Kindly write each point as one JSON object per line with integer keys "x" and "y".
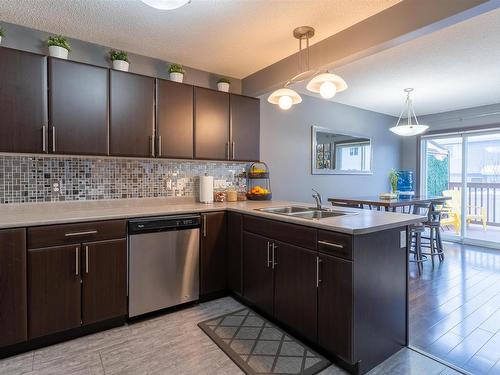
{"x": 314, "y": 170}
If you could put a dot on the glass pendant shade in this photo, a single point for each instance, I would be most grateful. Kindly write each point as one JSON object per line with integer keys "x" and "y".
{"x": 327, "y": 85}
{"x": 410, "y": 128}
{"x": 166, "y": 4}
{"x": 285, "y": 98}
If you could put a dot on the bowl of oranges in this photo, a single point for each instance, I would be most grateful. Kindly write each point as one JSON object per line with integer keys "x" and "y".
{"x": 258, "y": 193}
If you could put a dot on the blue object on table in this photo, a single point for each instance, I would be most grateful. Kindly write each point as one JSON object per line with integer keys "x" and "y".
{"x": 405, "y": 182}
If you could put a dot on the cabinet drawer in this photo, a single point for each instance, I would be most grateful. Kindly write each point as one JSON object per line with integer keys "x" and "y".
{"x": 277, "y": 230}
{"x": 53, "y": 235}
{"x": 338, "y": 244}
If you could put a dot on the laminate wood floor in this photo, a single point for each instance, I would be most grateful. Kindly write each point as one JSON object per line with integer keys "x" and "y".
{"x": 455, "y": 308}
{"x": 170, "y": 344}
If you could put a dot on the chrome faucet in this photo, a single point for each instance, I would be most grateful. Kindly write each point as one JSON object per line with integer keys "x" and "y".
{"x": 317, "y": 197}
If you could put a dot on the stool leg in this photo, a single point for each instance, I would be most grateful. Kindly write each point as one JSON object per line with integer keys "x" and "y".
{"x": 440, "y": 245}
{"x": 431, "y": 245}
{"x": 418, "y": 253}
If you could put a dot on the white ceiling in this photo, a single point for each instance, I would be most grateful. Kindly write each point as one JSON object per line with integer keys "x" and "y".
{"x": 230, "y": 37}
{"x": 454, "y": 68}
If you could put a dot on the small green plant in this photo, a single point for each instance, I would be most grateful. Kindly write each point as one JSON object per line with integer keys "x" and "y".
{"x": 2, "y": 32}
{"x": 176, "y": 68}
{"x": 118, "y": 55}
{"x": 224, "y": 80}
{"x": 58, "y": 41}
{"x": 393, "y": 179}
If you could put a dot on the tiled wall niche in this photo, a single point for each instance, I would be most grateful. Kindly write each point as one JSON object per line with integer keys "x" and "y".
{"x": 28, "y": 178}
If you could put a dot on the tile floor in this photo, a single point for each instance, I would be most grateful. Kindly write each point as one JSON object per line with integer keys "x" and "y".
{"x": 169, "y": 344}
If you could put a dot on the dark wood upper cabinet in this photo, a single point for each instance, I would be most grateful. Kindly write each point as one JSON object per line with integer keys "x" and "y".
{"x": 335, "y": 308}
{"x": 13, "y": 305}
{"x": 104, "y": 274}
{"x": 234, "y": 251}
{"x": 213, "y": 253}
{"x": 23, "y": 101}
{"x": 258, "y": 275}
{"x": 245, "y": 128}
{"x": 174, "y": 119}
{"x": 211, "y": 135}
{"x": 131, "y": 114}
{"x": 295, "y": 291}
{"x": 78, "y": 108}
{"x": 54, "y": 293}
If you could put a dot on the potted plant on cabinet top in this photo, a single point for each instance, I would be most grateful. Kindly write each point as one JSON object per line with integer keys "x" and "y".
{"x": 176, "y": 72}
{"x": 120, "y": 60}
{"x": 58, "y": 47}
{"x": 223, "y": 84}
{"x": 2, "y": 34}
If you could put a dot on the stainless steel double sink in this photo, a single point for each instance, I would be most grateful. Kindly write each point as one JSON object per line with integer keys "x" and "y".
{"x": 304, "y": 212}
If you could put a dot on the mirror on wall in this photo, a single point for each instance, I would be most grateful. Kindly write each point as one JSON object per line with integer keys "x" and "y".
{"x": 340, "y": 153}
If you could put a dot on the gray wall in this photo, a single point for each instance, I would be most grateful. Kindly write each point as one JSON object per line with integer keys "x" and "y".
{"x": 286, "y": 147}
{"x": 464, "y": 118}
{"x": 26, "y": 39}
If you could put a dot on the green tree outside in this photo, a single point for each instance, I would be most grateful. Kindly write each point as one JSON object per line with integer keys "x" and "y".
{"x": 437, "y": 175}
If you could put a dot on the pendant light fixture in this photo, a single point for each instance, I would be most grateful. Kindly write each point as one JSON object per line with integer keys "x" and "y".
{"x": 326, "y": 84}
{"x": 166, "y": 4}
{"x": 409, "y": 128}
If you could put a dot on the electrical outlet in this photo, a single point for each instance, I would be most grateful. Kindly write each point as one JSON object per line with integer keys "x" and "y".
{"x": 402, "y": 239}
{"x": 56, "y": 188}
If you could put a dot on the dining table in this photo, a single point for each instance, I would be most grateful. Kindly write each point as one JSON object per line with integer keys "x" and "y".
{"x": 402, "y": 201}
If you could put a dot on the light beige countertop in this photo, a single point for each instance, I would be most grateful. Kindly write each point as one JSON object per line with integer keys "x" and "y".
{"x": 34, "y": 214}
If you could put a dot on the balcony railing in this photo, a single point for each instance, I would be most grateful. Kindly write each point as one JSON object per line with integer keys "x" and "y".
{"x": 482, "y": 195}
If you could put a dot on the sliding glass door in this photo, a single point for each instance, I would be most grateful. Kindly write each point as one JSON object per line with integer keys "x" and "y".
{"x": 466, "y": 168}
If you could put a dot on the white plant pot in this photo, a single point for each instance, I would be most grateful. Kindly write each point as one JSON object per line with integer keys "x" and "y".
{"x": 59, "y": 52}
{"x": 223, "y": 86}
{"x": 121, "y": 65}
{"x": 176, "y": 77}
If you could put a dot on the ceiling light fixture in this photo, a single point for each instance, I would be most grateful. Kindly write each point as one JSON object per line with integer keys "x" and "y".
{"x": 409, "y": 128}
{"x": 166, "y": 4}
{"x": 326, "y": 84}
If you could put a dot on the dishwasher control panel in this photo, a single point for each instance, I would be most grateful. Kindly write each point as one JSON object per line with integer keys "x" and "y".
{"x": 163, "y": 223}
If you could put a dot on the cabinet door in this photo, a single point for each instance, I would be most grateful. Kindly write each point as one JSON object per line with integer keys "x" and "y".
{"x": 234, "y": 252}
{"x": 211, "y": 124}
{"x": 258, "y": 276}
{"x": 213, "y": 253}
{"x": 131, "y": 114}
{"x": 295, "y": 291}
{"x": 78, "y": 108}
{"x": 13, "y": 305}
{"x": 335, "y": 306}
{"x": 245, "y": 128}
{"x": 174, "y": 120}
{"x": 23, "y": 101}
{"x": 104, "y": 274}
{"x": 54, "y": 292}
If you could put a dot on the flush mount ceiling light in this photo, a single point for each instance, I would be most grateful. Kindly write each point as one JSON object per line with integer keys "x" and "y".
{"x": 326, "y": 84}
{"x": 166, "y": 4}
{"x": 409, "y": 128}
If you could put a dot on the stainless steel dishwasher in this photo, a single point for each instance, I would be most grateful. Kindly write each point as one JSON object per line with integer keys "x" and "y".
{"x": 163, "y": 262}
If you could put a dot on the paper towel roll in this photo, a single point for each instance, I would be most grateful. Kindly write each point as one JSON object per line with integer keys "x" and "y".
{"x": 206, "y": 189}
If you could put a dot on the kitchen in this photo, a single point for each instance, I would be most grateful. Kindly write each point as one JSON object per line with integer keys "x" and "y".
{"x": 139, "y": 230}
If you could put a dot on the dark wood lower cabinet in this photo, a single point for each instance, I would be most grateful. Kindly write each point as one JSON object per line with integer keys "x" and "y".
{"x": 13, "y": 303}
{"x": 295, "y": 291}
{"x": 234, "y": 252}
{"x": 335, "y": 306}
{"x": 213, "y": 251}
{"x": 258, "y": 276}
{"x": 54, "y": 290}
{"x": 104, "y": 274}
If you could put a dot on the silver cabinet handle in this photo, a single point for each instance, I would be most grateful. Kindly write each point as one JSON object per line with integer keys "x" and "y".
{"x": 318, "y": 280}
{"x": 274, "y": 255}
{"x": 227, "y": 151}
{"x": 74, "y": 234}
{"x": 153, "y": 145}
{"x": 44, "y": 138}
{"x": 53, "y": 139}
{"x": 77, "y": 261}
{"x": 331, "y": 244}
{"x": 159, "y": 145}
{"x": 204, "y": 225}
{"x": 234, "y": 150}
{"x": 86, "y": 259}
{"x": 268, "y": 253}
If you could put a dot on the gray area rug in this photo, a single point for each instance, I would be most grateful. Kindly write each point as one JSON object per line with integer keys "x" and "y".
{"x": 259, "y": 347}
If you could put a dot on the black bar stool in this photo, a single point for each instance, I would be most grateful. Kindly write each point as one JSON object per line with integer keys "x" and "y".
{"x": 435, "y": 244}
{"x": 415, "y": 236}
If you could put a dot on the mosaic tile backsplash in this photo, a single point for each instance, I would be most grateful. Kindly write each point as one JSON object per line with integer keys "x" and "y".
{"x": 51, "y": 178}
